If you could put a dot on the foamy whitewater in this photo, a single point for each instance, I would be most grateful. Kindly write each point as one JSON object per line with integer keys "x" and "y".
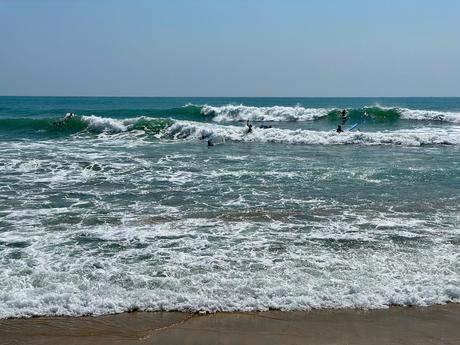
{"x": 125, "y": 206}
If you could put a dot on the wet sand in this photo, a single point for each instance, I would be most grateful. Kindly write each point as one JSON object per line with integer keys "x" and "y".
{"x": 418, "y": 326}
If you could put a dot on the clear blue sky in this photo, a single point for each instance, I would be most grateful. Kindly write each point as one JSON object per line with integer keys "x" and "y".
{"x": 230, "y": 48}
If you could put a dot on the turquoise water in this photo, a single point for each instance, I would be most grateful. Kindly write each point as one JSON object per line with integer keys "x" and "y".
{"x": 125, "y": 207}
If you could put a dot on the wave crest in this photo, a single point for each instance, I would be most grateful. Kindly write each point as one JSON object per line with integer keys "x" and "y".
{"x": 232, "y": 113}
{"x": 92, "y": 123}
{"x": 429, "y": 115}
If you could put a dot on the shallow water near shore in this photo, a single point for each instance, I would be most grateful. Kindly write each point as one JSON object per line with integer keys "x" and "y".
{"x": 125, "y": 207}
{"x": 417, "y": 326}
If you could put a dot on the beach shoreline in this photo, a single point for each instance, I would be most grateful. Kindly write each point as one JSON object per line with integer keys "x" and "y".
{"x": 397, "y": 325}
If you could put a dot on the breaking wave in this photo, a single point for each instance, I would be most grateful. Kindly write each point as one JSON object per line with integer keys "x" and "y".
{"x": 233, "y": 113}
{"x": 429, "y": 115}
{"x": 413, "y": 137}
{"x": 108, "y": 125}
{"x": 91, "y": 124}
{"x": 163, "y": 128}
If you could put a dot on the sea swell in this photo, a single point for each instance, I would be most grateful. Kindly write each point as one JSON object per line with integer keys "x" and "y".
{"x": 154, "y": 120}
{"x": 170, "y": 129}
{"x": 80, "y": 124}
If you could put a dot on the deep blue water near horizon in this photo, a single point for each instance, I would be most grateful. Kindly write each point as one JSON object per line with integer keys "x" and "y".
{"x": 125, "y": 206}
{"x": 46, "y": 105}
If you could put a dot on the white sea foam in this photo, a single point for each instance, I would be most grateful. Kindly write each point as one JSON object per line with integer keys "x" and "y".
{"x": 107, "y": 124}
{"x": 406, "y": 137}
{"x": 429, "y": 115}
{"x": 110, "y": 125}
{"x": 211, "y": 265}
{"x": 230, "y": 113}
{"x": 99, "y": 226}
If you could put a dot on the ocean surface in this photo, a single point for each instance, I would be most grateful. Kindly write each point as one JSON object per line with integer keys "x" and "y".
{"x": 126, "y": 207}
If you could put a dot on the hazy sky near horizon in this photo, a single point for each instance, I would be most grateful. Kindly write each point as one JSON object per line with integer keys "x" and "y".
{"x": 230, "y": 48}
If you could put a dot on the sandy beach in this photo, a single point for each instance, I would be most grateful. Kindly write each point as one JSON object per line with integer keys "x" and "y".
{"x": 432, "y": 325}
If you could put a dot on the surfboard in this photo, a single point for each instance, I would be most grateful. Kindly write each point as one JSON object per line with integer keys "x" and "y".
{"x": 352, "y": 127}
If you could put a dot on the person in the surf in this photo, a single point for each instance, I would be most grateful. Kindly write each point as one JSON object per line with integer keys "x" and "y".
{"x": 67, "y": 117}
{"x": 339, "y": 129}
{"x": 344, "y": 114}
{"x": 208, "y": 137}
{"x": 249, "y": 125}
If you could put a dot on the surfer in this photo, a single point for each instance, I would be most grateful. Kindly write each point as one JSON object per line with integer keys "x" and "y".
{"x": 249, "y": 125}
{"x": 67, "y": 117}
{"x": 339, "y": 129}
{"x": 344, "y": 114}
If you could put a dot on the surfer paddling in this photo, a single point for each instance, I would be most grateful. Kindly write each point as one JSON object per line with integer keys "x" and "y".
{"x": 67, "y": 117}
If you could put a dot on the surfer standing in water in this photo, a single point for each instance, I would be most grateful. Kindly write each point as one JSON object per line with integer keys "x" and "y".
{"x": 249, "y": 125}
{"x": 339, "y": 129}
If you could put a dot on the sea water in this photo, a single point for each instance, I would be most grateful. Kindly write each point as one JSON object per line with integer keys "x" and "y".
{"x": 125, "y": 206}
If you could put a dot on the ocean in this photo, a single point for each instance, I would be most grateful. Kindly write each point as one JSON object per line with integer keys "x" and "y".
{"x": 125, "y": 206}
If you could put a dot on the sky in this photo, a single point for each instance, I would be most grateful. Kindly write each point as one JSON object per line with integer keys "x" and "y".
{"x": 308, "y": 48}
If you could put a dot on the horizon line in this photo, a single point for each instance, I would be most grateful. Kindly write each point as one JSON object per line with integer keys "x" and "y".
{"x": 106, "y": 96}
